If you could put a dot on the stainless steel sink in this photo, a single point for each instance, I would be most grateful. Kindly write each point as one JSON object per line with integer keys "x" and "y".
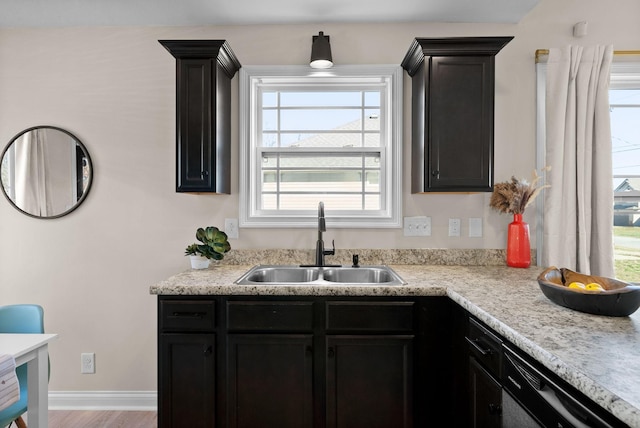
{"x": 301, "y": 275}
{"x": 366, "y": 275}
{"x": 283, "y": 274}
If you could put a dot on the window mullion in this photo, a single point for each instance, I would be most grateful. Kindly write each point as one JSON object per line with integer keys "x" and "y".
{"x": 363, "y": 158}
{"x": 363, "y": 183}
{"x": 278, "y": 144}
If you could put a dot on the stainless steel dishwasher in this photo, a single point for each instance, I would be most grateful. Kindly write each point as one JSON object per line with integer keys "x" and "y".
{"x": 527, "y": 391}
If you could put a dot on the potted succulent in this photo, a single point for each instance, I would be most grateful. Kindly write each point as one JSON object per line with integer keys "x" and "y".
{"x": 212, "y": 247}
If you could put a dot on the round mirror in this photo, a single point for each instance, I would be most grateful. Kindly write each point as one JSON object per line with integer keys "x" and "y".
{"x": 46, "y": 172}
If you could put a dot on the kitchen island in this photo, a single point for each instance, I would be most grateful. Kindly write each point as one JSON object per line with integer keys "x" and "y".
{"x": 599, "y": 356}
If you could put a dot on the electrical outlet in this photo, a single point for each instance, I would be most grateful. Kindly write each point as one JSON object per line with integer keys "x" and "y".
{"x": 475, "y": 227}
{"x": 417, "y": 226}
{"x": 454, "y": 227}
{"x": 231, "y": 228}
{"x": 88, "y": 363}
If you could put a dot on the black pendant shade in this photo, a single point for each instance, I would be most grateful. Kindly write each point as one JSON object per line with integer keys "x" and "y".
{"x": 321, "y": 52}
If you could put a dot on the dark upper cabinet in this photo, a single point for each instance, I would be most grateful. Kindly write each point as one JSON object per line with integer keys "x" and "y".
{"x": 452, "y": 104}
{"x": 204, "y": 69}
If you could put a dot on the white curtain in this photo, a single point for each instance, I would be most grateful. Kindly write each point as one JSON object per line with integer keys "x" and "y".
{"x": 578, "y": 217}
{"x": 32, "y": 188}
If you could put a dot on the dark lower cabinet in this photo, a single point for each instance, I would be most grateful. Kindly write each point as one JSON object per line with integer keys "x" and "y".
{"x": 187, "y": 382}
{"x": 339, "y": 362}
{"x": 485, "y": 397}
{"x": 270, "y": 380}
{"x": 458, "y": 380}
{"x": 312, "y": 361}
{"x": 369, "y": 381}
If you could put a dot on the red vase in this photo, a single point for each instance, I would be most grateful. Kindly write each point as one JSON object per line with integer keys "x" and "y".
{"x": 518, "y": 246}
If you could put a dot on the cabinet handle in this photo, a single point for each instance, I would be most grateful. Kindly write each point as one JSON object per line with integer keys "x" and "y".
{"x": 208, "y": 350}
{"x": 495, "y": 409}
{"x": 435, "y": 173}
{"x": 309, "y": 350}
{"x": 189, "y": 314}
{"x": 331, "y": 352}
{"x": 204, "y": 173}
{"x": 475, "y": 344}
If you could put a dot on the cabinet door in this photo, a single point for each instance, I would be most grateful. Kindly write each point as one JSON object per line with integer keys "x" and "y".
{"x": 460, "y": 123}
{"x": 485, "y": 397}
{"x": 194, "y": 125}
{"x": 458, "y": 387}
{"x": 186, "y": 374}
{"x": 203, "y": 151}
{"x": 369, "y": 381}
{"x": 270, "y": 380}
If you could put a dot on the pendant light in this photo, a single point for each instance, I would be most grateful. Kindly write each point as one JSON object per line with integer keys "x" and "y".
{"x": 321, "y": 52}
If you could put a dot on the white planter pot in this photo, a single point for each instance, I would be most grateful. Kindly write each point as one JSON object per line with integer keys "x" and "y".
{"x": 199, "y": 262}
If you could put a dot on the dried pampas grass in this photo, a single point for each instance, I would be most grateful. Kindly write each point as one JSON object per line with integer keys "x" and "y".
{"x": 512, "y": 197}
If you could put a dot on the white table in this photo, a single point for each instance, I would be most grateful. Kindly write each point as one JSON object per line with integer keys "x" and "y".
{"x": 32, "y": 349}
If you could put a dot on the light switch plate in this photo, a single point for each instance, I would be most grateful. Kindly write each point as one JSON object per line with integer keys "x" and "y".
{"x": 475, "y": 227}
{"x": 454, "y": 227}
{"x": 231, "y": 228}
{"x": 417, "y": 226}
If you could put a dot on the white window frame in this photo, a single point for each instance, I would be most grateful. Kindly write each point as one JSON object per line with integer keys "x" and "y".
{"x": 390, "y": 215}
{"x": 625, "y": 74}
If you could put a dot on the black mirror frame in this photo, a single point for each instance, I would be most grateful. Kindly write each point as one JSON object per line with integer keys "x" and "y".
{"x": 89, "y": 163}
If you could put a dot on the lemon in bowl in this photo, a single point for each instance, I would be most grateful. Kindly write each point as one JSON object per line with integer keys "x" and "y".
{"x": 577, "y": 285}
{"x": 593, "y": 286}
{"x": 600, "y": 295}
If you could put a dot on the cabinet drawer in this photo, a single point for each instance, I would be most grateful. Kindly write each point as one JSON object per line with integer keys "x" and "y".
{"x": 370, "y": 316}
{"x": 187, "y": 315}
{"x": 270, "y": 316}
{"x": 485, "y": 346}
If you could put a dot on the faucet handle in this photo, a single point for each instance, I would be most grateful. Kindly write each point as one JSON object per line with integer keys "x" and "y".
{"x": 333, "y": 251}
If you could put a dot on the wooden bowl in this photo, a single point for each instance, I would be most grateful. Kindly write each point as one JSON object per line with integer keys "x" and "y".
{"x": 619, "y": 299}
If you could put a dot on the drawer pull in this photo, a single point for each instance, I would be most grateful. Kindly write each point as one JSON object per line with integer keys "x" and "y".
{"x": 331, "y": 352}
{"x": 188, "y": 314}
{"x": 475, "y": 344}
{"x": 208, "y": 350}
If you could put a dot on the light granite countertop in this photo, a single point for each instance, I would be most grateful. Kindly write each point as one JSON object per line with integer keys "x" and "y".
{"x": 598, "y": 355}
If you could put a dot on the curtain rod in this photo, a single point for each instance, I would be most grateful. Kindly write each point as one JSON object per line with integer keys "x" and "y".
{"x": 544, "y": 52}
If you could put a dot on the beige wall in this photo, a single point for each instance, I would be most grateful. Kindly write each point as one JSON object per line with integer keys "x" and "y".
{"x": 114, "y": 89}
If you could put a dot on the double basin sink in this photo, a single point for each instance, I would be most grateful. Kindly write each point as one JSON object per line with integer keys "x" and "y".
{"x": 316, "y": 275}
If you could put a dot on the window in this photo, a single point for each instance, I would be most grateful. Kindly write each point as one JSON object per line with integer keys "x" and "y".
{"x": 624, "y": 98}
{"x": 625, "y": 113}
{"x": 309, "y": 136}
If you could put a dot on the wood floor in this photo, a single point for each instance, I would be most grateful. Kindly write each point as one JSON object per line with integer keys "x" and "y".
{"x": 101, "y": 419}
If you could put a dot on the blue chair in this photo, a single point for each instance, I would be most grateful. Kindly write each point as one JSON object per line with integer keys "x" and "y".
{"x": 19, "y": 319}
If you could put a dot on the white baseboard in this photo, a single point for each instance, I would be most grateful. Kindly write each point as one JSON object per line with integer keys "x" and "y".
{"x": 103, "y": 400}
